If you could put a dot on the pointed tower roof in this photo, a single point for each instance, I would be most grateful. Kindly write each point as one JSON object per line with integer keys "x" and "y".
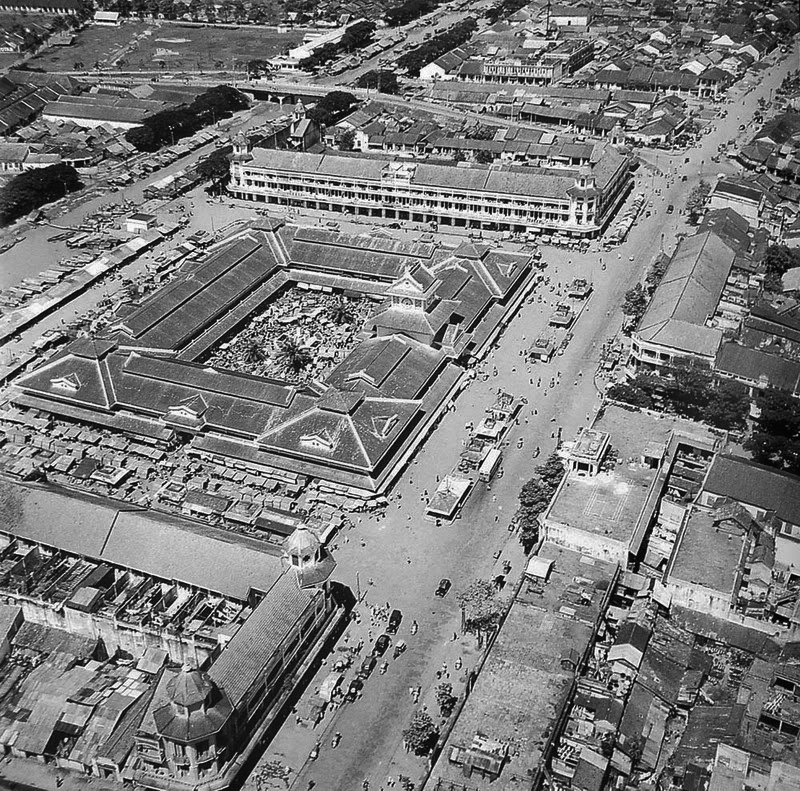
{"x": 189, "y": 687}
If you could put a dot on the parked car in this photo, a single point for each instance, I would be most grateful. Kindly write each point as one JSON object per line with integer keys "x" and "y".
{"x": 670, "y": 209}
{"x": 394, "y": 622}
{"x": 381, "y": 644}
{"x": 367, "y": 666}
{"x": 354, "y": 690}
{"x": 444, "y": 586}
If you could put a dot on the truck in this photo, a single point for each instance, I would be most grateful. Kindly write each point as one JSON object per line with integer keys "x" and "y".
{"x": 490, "y": 464}
{"x": 562, "y": 316}
{"x": 542, "y": 349}
{"x": 580, "y": 288}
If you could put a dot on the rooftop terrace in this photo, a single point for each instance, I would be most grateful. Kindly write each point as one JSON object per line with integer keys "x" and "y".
{"x": 609, "y": 504}
{"x": 708, "y": 554}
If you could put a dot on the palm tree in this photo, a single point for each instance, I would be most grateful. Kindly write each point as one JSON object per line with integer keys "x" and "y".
{"x": 254, "y": 353}
{"x": 341, "y": 312}
{"x": 293, "y": 355}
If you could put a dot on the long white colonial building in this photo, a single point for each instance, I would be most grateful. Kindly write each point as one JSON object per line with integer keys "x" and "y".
{"x": 574, "y": 201}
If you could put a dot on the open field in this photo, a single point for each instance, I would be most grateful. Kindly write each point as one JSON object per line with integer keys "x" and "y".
{"x": 169, "y": 46}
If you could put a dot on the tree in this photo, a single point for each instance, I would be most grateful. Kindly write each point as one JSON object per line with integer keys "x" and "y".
{"x": 484, "y": 157}
{"x": 142, "y": 138}
{"x": 195, "y": 6}
{"x": 408, "y": 11}
{"x": 254, "y": 352}
{"x": 776, "y": 437}
{"x": 428, "y": 51}
{"x": 481, "y": 132}
{"x": 332, "y": 107}
{"x": 341, "y": 312}
{"x": 379, "y": 80}
{"x": 347, "y": 140}
{"x": 421, "y": 735}
{"x": 552, "y": 471}
{"x": 481, "y": 607}
{"x": 687, "y": 387}
{"x": 629, "y": 393}
{"x": 445, "y": 699}
{"x": 34, "y": 188}
{"x": 729, "y": 406}
{"x": 656, "y": 272}
{"x": 258, "y": 67}
{"x": 696, "y": 200}
{"x": 357, "y": 36}
{"x": 778, "y": 260}
{"x": 217, "y": 167}
{"x": 210, "y": 11}
{"x": 635, "y": 304}
{"x": 293, "y": 355}
{"x": 169, "y": 126}
{"x": 535, "y": 496}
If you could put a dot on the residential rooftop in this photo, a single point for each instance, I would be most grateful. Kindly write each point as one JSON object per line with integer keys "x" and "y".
{"x": 688, "y": 295}
{"x": 708, "y": 554}
{"x": 527, "y": 676}
{"x": 609, "y": 503}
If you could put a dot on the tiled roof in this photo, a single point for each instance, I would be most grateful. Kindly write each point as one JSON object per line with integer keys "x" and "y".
{"x": 754, "y": 484}
{"x": 752, "y": 364}
{"x": 351, "y": 427}
{"x": 246, "y": 656}
{"x": 688, "y": 295}
{"x": 509, "y": 180}
{"x": 160, "y": 545}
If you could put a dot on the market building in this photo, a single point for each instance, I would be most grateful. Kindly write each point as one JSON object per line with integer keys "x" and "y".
{"x": 219, "y": 629}
{"x": 578, "y": 202}
{"x": 352, "y": 429}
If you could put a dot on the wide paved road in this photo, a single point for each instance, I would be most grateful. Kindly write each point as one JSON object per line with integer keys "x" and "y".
{"x": 371, "y": 747}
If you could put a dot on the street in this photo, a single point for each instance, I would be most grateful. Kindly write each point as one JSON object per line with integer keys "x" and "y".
{"x": 397, "y": 558}
{"x": 406, "y": 556}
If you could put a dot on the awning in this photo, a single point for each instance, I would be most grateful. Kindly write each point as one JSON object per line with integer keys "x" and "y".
{"x": 539, "y": 567}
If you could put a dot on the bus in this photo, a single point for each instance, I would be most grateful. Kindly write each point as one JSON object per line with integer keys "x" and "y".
{"x": 490, "y": 464}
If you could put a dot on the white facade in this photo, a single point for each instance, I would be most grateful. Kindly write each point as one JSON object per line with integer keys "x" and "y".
{"x": 518, "y": 199}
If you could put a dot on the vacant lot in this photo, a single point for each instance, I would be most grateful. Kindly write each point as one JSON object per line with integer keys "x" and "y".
{"x": 138, "y": 46}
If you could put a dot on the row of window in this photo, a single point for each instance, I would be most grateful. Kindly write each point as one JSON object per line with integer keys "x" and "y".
{"x": 490, "y": 207}
{"x": 532, "y": 215}
{"x": 259, "y": 178}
